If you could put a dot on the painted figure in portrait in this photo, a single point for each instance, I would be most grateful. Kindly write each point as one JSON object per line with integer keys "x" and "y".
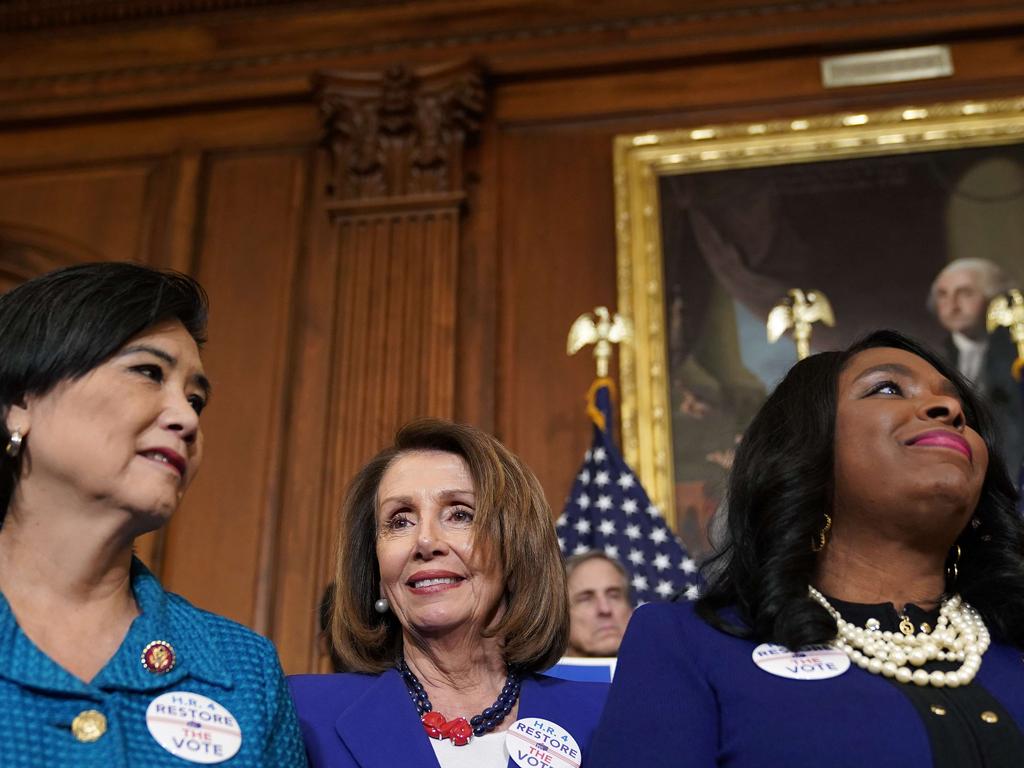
{"x": 872, "y": 233}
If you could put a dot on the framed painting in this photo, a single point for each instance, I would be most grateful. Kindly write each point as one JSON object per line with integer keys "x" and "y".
{"x": 716, "y": 223}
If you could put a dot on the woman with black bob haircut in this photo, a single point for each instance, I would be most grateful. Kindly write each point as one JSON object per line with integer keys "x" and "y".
{"x": 871, "y": 528}
{"x": 101, "y": 389}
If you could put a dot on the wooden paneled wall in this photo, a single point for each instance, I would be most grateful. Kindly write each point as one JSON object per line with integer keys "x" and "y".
{"x": 200, "y": 136}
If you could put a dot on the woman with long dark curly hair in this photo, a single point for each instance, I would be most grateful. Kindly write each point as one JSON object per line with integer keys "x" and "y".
{"x": 866, "y": 607}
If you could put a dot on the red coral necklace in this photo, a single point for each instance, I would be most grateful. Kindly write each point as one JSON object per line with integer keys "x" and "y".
{"x": 459, "y": 731}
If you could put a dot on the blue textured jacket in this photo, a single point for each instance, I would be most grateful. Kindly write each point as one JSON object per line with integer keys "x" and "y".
{"x": 215, "y": 658}
{"x": 367, "y": 721}
{"x": 686, "y": 694}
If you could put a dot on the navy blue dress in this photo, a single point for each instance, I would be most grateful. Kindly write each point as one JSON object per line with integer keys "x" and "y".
{"x": 686, "y": 694}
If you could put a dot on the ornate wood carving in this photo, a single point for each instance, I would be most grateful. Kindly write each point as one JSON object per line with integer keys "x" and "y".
{"x": 399, "y": 133}
{"x": 394, "y": 187}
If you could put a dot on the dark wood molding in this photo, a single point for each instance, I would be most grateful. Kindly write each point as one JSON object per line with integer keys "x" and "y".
{"x": 266, "y": 49}
{"x": 30, "y": 15}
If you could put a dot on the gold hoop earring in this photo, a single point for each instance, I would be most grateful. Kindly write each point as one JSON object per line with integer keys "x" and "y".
{"x": 818, "y": 543}
{"x": 13, "y": 447}
{"x": 952, "y": 570}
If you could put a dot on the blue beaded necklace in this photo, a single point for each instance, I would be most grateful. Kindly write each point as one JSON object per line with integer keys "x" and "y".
{"x": 459, "y": 730}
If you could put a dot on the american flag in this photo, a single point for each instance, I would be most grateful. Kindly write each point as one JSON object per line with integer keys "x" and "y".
{"x": 608, "y": 509}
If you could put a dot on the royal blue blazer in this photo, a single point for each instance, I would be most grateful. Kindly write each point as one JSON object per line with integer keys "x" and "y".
{"x": 686, "y": 694}
{"x": 368, "y": 721}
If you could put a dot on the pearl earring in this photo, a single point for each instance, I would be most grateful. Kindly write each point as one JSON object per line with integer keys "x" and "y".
{"x": 382, "y": 605}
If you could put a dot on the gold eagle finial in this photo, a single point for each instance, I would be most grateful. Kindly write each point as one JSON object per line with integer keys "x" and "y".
{"x": 799, "y": 311}
{"x": 1007, "y": 311}
{"x": 601, "y": 329}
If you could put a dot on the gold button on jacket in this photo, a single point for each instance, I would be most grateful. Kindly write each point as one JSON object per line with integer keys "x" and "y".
{"x": 89, "y": 725}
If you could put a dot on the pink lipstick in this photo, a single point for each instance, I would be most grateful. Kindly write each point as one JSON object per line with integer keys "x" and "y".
{"x": 166, "y": 456}
{"x": 940, "y": 438}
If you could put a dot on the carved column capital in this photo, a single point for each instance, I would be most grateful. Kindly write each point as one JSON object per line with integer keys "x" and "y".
{"x": 400, "y": 133}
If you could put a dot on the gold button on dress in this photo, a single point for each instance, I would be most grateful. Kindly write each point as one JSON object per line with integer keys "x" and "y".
{"x": 89, "y": 725}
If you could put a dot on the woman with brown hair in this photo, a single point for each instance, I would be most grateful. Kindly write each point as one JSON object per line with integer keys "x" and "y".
{"x": 451, "y": 593}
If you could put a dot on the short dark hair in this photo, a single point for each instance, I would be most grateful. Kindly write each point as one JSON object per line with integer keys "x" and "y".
{"x": 61, "y": 325}
{"x": 513, "y": 522}
{"x": 782, "y": 482}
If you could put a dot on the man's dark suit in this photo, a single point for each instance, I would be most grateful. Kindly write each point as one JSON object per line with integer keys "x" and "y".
{"x": 1002, "y": 393}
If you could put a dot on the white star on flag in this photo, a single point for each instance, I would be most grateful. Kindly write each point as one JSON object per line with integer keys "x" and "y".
{"x": 692, "y": 592}
{"x": 610, "y": 497}
{"x": 581, "y": 549}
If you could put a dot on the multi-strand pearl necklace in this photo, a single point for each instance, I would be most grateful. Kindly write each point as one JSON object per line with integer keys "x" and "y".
{"x": 959, "y": 635}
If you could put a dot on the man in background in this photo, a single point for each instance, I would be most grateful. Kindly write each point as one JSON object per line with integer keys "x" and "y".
{"x": 599, "y": 604}
{"x": 959, "y": 298}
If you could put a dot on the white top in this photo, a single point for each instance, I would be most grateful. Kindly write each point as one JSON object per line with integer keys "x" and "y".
{"x": 487, "y": 751}
{"x": 970, "y": 354}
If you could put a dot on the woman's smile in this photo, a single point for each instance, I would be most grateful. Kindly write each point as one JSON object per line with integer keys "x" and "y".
{"x": 433, "y": 582}
{"x": 941, "y": 438}
{"x": 430, "y": 570}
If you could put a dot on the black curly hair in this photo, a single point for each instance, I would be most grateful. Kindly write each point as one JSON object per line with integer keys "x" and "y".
{"x": 781, "y": 484}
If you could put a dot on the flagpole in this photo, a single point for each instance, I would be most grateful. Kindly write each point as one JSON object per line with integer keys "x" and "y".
{"x": 607, "y": 509}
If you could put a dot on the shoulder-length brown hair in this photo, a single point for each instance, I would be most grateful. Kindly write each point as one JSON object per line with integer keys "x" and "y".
{"x": 512, "y": 522}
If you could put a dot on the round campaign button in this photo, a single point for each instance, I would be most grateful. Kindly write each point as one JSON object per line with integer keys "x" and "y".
{"x": 193, "y": 727}
{"x": 536, "y": 743}
{"x": 816, "y": 662}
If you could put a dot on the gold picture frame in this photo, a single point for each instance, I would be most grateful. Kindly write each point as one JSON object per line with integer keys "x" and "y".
{"x": 642, "y": 160}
